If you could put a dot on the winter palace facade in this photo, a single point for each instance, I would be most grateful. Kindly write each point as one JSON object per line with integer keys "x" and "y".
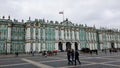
{"x": 39, "y": 35}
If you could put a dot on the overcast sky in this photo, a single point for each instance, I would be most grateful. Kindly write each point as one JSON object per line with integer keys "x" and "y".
{"x": 105, "y": 13}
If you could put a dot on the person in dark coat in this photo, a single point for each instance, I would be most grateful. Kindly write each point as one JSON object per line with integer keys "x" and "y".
{"x": 68, "y": 56}
{"x": 77, "y": 57}
{"x": 72, "y": 54}
{"x": 33, "y": 52}
{"x": 16, "y": 53}
{"x": 44, "y": 53}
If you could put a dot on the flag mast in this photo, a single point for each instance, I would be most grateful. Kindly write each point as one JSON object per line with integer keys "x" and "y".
{"x": 62, "y": 12}
{"x": 63, "y": 15}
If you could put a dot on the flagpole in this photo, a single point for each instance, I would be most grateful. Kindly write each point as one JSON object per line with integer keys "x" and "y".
{"x": 63, "y": 15}
{"x": 62, "y": 12}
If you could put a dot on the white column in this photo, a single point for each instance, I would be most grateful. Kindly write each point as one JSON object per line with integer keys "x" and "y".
{"x": 27, "y": 47}
{"x": 108, "y": 45}
{"x": 39, "y": 47}
{"x": 101, "y": 46}
{"x": 8, "y": 47}
{"x": 56, "y": 34}
{"x": 79, "y": 48}
{"x": 73, "y": 45}
{"x": 64, "y": 46}
{"x": 27, "y": 33}
{"x": 34, "y": 35}
{"x": 77, "y": 35}
{"x": 115, "y": 45}
{"x": 95, "y": 37}
{"x": 73, "y": 36}
{"x": 100, "y": 37}
{"x": 43, "y": 33}
{"x": 34, "y": 47}
{"x": 90, "y": 46}
{"x": 9, "y": 33}
{"x": 43, "y": 46}
{"x": 96, "y": 46}
{"x": 56, "y": 46}
{"x": 62, "y": 34}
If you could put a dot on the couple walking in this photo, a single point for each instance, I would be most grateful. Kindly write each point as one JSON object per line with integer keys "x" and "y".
{"x": 73, "y": 56}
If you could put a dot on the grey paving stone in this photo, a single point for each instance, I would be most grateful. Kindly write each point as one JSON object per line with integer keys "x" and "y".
{"x": 42, "y": 59}
{"x": 97, "y": 60}
{"x": 22, "y": 66}
{"x": 96, "y": 66}
{"x": 114, "y": 57}
{"x": 60, "y": 63}
{"x": 114, "y": 63}
{"x": 6, "y": 62}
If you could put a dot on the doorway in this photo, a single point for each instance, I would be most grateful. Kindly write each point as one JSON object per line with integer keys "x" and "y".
{"x": 68, "y": 45}
{"x": 112, "y": 45}
{"x": 60, "y": 47}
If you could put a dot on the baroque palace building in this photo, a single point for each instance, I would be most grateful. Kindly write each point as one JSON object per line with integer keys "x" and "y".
{"x": 39, "y": 35}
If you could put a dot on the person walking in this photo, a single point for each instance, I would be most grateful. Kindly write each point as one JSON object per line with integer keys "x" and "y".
{"x": 16, "y": 53}
{"x": 33, "y": 52}
{"x": 77, "y": 57}
{"x": 72, "y": 54}
{"x": 44, "y": 53}
{"x": 68, "y": 56}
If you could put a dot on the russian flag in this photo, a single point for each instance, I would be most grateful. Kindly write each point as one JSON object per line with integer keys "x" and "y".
{"x": 60, "y": 12}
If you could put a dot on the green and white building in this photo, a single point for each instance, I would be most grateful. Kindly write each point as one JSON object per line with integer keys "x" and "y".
{"x": 39, "y": 35}
{"x": 12, "y": 36}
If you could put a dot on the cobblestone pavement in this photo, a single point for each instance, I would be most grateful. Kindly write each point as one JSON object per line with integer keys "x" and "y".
{"x": 59, "y": 61}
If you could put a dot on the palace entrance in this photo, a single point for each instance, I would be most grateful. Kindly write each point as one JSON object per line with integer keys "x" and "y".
{"x": 68, "y": 45}
{"x": 112, "y": 45}
{"x": 60, "y": 47}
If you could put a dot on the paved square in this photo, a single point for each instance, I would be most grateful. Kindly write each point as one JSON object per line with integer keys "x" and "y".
{"x": 98, "y": 66}
{"x": 60, "y": 61}
{"x": 97, "y": 60}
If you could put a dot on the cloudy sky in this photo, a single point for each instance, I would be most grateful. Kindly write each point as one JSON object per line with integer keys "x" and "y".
{"x": 105, "y": 13}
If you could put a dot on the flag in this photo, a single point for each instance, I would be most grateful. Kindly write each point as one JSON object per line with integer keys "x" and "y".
{"x": 60, "y": 12}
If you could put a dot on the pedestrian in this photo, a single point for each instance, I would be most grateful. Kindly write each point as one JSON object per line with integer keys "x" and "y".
{"x": 72, "y": 54}
{"x": 96, "y": 51}
{"x": 16, "y": 53}
{"x": 110, "y": 50}
{"x": 44, "y": 53}
{"x": 33, "y": 52}
{"x": 68, "y": 56}
{"x": 77, "y": 57}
